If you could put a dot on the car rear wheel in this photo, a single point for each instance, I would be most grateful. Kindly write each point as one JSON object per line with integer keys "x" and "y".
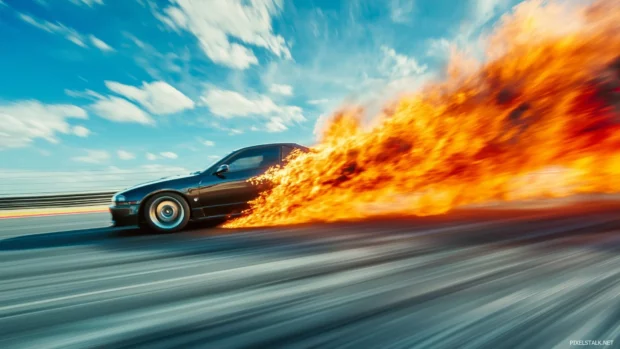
{"x": 167, "y": 212}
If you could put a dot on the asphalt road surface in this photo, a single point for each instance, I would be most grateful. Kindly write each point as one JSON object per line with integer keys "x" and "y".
{"x": 470, "y": 279}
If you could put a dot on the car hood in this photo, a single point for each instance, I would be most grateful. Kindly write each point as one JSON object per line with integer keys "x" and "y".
{"x": 161, "y": 181}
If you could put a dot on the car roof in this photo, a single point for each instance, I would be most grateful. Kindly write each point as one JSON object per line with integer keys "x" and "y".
{"x": 295, "y": 145}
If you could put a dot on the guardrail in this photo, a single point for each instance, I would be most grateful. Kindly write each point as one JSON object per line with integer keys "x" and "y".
{"x": 50, "y": 201}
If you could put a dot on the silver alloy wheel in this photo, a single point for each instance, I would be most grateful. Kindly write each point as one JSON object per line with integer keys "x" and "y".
{"x": 166, "y": 212}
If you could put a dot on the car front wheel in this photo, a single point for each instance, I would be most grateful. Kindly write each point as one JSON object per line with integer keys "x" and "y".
{"x": 167, "y": 213}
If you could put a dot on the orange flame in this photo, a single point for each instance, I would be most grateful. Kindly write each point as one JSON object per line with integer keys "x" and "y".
{"x": 548, "y": 96}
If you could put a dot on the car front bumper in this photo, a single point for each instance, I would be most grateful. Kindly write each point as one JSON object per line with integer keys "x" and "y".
{"x": 124, "y": 215}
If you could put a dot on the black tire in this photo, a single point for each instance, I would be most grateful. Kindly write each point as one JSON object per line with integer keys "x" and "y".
{"x": 166, "y": 213}
{"x": 143, "y": 225}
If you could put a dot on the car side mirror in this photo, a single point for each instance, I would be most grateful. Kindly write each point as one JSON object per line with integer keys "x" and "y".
{"x": 222, "y": 169}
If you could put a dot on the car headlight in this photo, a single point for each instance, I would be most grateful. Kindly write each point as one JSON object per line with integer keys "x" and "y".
{"x": 118, "y": 198}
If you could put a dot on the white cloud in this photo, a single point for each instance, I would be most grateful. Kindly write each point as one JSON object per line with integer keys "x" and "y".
{"x": 89, "y": 94}
{"x": 157, "y": 97}
{"x": 151, "y": 156}
{"x": 467, "y": 37}
{"x": 76, "y": 39}
{"x": 397, "y": 66}
{"x": 208, "y": 143}
{"x": 215, "y": 22}
{"x": 481, "y": 12}
{"x": 216, "y": 125}
{"x": 169, "y": 155}
{"x": 55, "y": 28}
{"x": 439, "y": 47}
{"x": 230, "y": 104}
{"x": 401, "y": 10}
{"x": 80, "y": 131}
{"x": 141, "y": 44}
{"x": 120, "y": 110}
{"x": 93, "y": 157}
{"x": 43, "y": 25}
{"x": 484, "y": 10}
{"x": 286, "y": 90}
{"x": 24, "y": 121}
{"x": 113, "y": 108}
{"x": 275, "y": 124}
{"x": 318, "y": 101}
{"x": 89, "y": 3}
{"x": 100, "y": 44}
{"x": 69, "y": 33}
{"x": 125, "y": 155}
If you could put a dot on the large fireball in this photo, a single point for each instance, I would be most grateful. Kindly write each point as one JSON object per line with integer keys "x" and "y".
{"x": 548, "y": 95}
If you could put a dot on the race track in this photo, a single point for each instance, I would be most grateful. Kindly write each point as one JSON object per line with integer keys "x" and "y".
{"x": 469, "y": 279}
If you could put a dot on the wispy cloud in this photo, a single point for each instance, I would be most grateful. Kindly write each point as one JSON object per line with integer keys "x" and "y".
{"x": 231, "y": 104}
{"x": 56, "y": 28}
{"x": 24, "y": 121}
{"x": 157, "y": 97}
{"x": 214, "y": 23}
{"x": 89, "y": 3}
{"x": 81, "y": 131}
{"x": 69, "y": 33}
{"x": 318, "y": 101}
{"x": 88, "y": 94}
{"x": 231, "y": 131}
{"x": 439, "y": 47}
{"x": 100, "y": 44}
{"x": 125, "y": 155}
{"x": 285, "y": 90}
{"x": 466, "y": 35}
{"x": 93, "y": 157}
{"x": 401, "y": 11}
{"x": 397, "y": 65}
{"x": 120, "y": 110}
{"x": 169, "y": 155}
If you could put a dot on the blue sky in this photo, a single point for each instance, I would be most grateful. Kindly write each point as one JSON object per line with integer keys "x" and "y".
{"x": 168, "y": 86}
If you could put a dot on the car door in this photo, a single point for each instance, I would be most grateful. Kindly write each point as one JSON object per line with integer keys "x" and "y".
{"x": 229, "y": 192}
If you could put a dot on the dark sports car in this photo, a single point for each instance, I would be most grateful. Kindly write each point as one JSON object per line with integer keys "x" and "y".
{"x": 217, "y": 193}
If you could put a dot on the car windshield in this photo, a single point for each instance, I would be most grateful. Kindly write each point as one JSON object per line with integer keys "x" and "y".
{"x": 213, "y": 162}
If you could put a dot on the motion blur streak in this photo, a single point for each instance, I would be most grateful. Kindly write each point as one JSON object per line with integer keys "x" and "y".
{"x": 468, "y": 279}
{"x": 546, "y": 96}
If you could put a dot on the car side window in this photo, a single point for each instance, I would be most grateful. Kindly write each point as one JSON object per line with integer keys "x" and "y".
{"x": 254, "y": 159}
